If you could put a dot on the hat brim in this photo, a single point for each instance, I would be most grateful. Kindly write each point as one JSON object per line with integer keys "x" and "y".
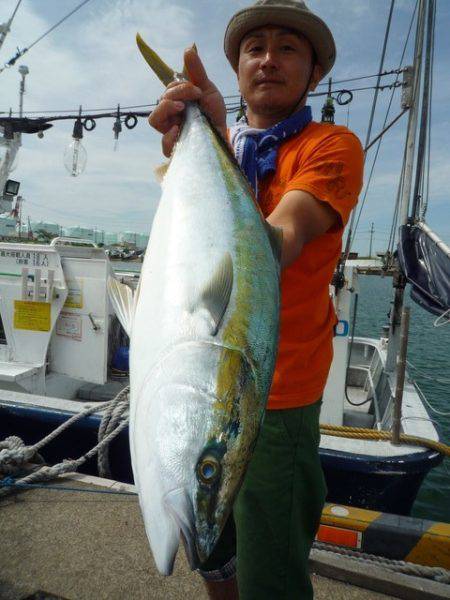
{"x": 303, "y": 21}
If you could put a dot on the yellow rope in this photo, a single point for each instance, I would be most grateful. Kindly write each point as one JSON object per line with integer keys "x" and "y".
{"x": 370, "y": 434}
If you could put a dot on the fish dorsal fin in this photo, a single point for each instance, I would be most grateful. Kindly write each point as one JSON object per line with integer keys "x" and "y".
{"x": 216, "y": 294}
{"x": 158, "y": 66}
{"x": 275, "y": 235}
{"x": 123, "y": 301}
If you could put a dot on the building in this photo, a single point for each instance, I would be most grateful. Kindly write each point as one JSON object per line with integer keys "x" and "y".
{"x": 7, "y": 226}
{"x": 84, "y": 233}
{"x": 139, "y": 240}
{"x": 50, "y": 228}
{"x": 111, "y": 238}
{"x": 99, "y": 236}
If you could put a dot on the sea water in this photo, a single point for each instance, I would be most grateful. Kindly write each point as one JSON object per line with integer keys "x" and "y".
{"x": 429, "y": 358}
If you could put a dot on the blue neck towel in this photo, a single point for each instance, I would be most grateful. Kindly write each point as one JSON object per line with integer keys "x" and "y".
{"x": 256, "y": 150}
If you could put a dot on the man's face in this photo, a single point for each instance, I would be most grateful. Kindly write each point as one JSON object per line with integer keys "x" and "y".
{"x": 274, "y": 68}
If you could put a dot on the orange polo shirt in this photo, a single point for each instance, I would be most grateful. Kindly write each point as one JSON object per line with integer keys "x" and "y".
{"x": 326, "y": 161}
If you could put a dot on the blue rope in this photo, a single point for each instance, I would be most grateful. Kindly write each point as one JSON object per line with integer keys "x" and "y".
{"x": 10, "y": 482}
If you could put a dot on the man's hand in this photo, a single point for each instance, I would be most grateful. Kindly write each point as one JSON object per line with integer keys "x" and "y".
{"x": 302, "y": 218}
{"x": 168, "y": 115}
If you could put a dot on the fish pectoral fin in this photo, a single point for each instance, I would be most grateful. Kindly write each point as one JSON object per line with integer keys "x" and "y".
{"x": 216, "y": 294}
{"x": 122, "y": 299}
{"x": 275, "y": 235}
{"x": 158, "y": 66}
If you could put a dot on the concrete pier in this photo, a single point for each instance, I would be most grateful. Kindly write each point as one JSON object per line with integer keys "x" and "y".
{"x": 79, "y": 545}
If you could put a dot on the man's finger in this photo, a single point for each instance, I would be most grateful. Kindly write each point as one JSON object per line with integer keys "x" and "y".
{"x": 183, "y": 91}
{"x": 195, "y": 69}
{"x": 165, "y": 115}
{"x": 169, "y": 139}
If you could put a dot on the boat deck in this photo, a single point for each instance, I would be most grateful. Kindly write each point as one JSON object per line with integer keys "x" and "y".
{"x": 78, "y": 545}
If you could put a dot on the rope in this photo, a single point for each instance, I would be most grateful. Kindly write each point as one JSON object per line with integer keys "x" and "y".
{"x": 110, "y": 421}
{"x": 361, "y": 433}
{"x": 15, "y": 457}
{"x": 10, "y": 482}
{"x": 399, "y": 566}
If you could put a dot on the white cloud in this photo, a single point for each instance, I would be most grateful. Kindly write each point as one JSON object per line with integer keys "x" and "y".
{"x": 92, "y": 60}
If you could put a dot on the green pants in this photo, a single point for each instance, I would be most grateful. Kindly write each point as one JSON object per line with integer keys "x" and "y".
{"x": 277, "y": 511}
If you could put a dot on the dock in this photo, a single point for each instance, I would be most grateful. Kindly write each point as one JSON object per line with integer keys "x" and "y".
{"x": 82, "y": 538}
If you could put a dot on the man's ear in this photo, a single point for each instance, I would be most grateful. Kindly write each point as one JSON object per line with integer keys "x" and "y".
{"x": 316, "y": 77}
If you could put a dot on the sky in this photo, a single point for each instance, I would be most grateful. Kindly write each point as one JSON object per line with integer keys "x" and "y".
{"x": 92, "y": 60}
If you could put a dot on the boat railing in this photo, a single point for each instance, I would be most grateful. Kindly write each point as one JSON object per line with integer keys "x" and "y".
{"x": 370, "y": 388}
{"x": 72, "y": 241}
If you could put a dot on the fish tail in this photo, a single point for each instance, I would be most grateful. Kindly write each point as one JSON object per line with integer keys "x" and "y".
{"x": 161, "y": 70}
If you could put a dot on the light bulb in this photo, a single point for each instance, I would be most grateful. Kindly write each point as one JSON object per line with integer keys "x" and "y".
{"x": 75, "y": 157}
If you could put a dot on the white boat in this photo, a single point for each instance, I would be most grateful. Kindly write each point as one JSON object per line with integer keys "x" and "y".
{"x": 60, "y": 340}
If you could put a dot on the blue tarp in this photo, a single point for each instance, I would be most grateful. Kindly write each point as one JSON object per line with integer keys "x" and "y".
{"x": 426, "y": 267}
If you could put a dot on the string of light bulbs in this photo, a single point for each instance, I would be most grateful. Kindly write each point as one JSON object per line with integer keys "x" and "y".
{"x": 75, "y": 155}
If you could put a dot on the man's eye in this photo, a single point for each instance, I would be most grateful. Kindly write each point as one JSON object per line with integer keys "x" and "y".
{"x": 254, "y": 49}
{"x": 287, "y": 48}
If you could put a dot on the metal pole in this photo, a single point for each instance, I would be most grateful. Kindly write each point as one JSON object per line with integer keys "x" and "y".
{"x": 23, "y": 70}
{"x": 421, "y": 147}
{"x": 413, "y": 117}
{"x": 398, "y": 279}
{"x": 401, "y": 369}
{"x": 372, "y": 231}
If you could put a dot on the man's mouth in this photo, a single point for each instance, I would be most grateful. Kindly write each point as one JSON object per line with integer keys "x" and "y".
{"x": 268, "y": 81}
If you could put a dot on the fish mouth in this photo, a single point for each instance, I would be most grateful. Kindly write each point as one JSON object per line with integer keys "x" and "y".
{"x": 197, "y": 547}
{"x": 180, "y": 508}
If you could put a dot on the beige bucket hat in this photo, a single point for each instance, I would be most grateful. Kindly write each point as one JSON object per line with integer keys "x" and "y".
{"x": 293, "y": 14}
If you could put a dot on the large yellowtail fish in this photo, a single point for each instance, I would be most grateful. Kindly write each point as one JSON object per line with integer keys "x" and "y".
{"x": 203, "y": 329}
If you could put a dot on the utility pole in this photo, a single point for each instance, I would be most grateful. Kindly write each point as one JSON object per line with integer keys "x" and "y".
{"x": 372, "y": 231}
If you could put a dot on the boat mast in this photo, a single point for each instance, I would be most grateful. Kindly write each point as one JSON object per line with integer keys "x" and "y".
{"x": 9, "y": 140}
{"x": 399, "y": 281}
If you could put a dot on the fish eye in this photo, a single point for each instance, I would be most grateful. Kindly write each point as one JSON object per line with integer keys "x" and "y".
{"x": 208, "y": 470}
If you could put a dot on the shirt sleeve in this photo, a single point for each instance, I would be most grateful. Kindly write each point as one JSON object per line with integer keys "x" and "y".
{"x": 332, "y": 171}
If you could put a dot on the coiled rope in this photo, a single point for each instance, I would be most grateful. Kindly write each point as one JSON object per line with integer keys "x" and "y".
{"x": 399, "y": 566}
{"x": 16, "y": 457}
{"x": 370, "y": 434}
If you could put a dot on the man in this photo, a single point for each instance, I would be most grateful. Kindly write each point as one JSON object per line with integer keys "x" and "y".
{"x": 307, "y": 177}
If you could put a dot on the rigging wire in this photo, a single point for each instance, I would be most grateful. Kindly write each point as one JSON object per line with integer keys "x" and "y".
{"x": 420, "y": 175}
{"x": 420, "y": 373}
{"x": 425, "y": 196}
{"x": 362, "y": 203}
{"x": 350, "y": 235}
{"x": 20, "y": 53}
{"x": 435, "y": 410}
{"x": 383, "y": 74}
{"x": 231, "y": 106}
{"x": 4, "y": 33}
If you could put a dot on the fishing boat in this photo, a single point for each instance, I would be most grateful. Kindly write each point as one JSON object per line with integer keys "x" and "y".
{"x": 63, "y": 351}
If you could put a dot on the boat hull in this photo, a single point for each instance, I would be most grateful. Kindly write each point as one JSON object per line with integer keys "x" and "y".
{"x": 386, "y": 484}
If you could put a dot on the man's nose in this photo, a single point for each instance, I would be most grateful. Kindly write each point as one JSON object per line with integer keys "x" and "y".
{"x": 268, "y": 59}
